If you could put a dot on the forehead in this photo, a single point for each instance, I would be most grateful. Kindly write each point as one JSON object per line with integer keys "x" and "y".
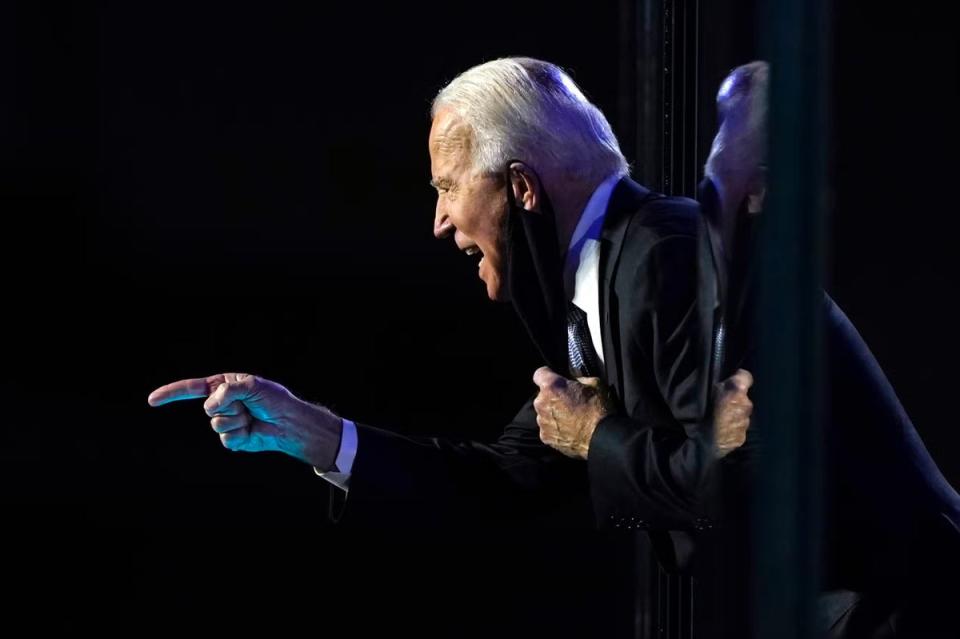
{"x": 451, "y": 138}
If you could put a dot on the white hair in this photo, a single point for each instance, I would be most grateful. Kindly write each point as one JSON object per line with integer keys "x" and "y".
{"x": 529, "y": 110}
{"x": 740, "y": 146}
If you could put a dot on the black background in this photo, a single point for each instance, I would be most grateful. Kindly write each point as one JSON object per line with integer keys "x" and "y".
{"x": 194, "y": 189}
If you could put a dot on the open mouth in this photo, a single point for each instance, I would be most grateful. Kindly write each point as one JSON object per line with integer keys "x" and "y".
{"x": 474, "y": 251}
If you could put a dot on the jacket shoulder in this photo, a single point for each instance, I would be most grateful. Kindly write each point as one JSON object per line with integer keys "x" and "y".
{"x": 661, "y": 216}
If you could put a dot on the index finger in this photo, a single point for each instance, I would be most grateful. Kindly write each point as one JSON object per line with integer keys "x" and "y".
{"x": 184, "y": 389}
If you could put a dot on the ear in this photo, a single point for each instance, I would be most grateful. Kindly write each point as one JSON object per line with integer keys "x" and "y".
{"x": 526, "y": 186}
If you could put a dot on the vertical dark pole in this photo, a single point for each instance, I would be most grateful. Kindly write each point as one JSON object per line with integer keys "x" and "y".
{"x": 658, "y": 114}
{"x": 645, "y": 68}
{"x": 790, "y": 308}
{"x": 640, "y": 126}
{"x": 679, "y": 77}
{"x": 680, "y": 171}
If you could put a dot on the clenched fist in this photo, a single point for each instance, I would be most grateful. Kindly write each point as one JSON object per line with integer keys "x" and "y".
{"x": 731, "y": 412}
{"x": 568, "y": 411}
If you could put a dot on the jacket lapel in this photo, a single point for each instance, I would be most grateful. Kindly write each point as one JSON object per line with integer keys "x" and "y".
{"x": 626, "y": 199}
{"x": 712, "y": 285}
{"x": 711, "y": 217}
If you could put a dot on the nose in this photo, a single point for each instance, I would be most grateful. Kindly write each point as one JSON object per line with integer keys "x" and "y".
{"x": 442, "y": 226}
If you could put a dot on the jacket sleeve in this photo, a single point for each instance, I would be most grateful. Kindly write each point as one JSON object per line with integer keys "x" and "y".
{"x": 435, "y": 480}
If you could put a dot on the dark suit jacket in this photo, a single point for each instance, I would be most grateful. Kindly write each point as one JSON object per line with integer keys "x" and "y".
{"x": 891, "y": 522}
{"x": 646, "y": 461}
{"x": 644, "y": 467}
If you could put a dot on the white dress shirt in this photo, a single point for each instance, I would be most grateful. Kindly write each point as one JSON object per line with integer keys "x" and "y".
{"x": 581, "y": 280}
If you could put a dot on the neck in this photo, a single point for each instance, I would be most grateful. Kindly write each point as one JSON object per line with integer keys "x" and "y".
{"x": 571, "y": 200}
{"x": 726, "y": 222}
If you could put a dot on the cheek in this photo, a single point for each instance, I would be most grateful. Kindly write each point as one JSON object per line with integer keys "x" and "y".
{"x": 467, "y": 221}
{"x": 497, "y": 235}
{"x": 481, "y": 217}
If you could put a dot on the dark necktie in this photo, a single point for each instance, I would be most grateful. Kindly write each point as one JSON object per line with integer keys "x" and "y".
{"x": 581, "y": 354}
{"x": 719, "y": 348}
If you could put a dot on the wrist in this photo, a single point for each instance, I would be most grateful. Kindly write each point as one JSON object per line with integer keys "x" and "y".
{"x": 589, "y": 430}
{"x": 320, "y": 437}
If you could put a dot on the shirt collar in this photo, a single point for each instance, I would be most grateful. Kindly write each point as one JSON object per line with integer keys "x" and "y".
{"x": 588, "y": 228}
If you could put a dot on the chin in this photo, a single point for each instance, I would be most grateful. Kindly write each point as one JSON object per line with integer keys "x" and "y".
{"x": 495, "y": 281}
{"x": 497, "y": 292}
{"x": 499, "y": 295}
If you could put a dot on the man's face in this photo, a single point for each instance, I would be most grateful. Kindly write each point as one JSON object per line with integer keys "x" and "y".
{"x": 472, "y": 207}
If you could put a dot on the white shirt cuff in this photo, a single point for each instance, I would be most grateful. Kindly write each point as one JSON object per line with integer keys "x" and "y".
{"x": 344, "y": 464}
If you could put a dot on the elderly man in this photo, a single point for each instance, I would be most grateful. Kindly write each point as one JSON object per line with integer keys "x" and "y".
{"x": 891, "y": 522}
{"x": 531, "y": 181}
{"x": 602, "y": 271}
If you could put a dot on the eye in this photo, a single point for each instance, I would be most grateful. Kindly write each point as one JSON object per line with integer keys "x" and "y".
{"x": 447, "y": 190}
{"x": 441, "y": 187}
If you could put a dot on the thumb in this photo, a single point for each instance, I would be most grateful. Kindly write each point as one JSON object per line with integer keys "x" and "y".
{"x": 592, "y": 382}
{"x": 740, "y": 382}
{"x": 745, "y": 378}
{"x": 226, "y": 393}
{"x": 544, "y": 377}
